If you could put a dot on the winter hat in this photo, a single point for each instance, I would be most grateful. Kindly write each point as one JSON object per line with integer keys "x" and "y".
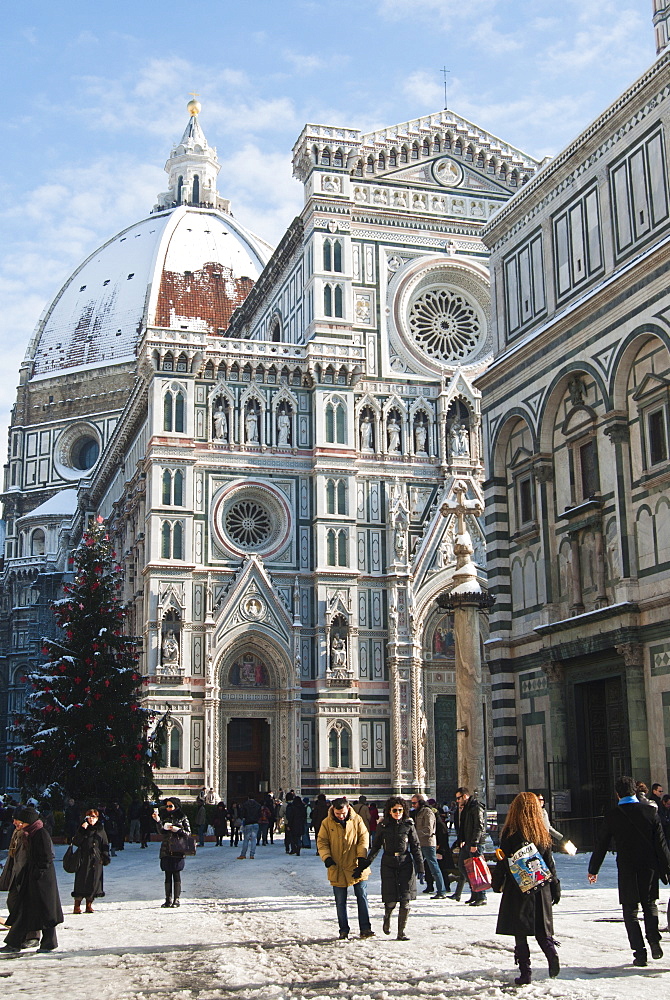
{"x": 26, "y": 814}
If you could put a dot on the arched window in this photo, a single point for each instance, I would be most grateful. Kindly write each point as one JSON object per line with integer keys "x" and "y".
{"x": 178, "y": 488}
{"x": 177, "y": 541}
{"x": 425, "y": 148}
{"x": 167, "y": 487}
{"x": 341, "y": 497}
{"x": 330, "y": 496}
{"x": 338, "y": 301}
{"x": 327, "y": 256}
{"x": 337, "y": 159}
{"x": 180, "y": 184}
{"x": 37, "y": 543}
{"x": 325, "y": 157}
{"x": 170, "y": 744}
{"x": 196, "y": 190}
{"x": 358, "y": 172}
{"x": 166, "y": 540}
{"x": 330, "y": 423}
{"x": 403, "y": 154}
{"x": 340, "y": 425}
{"x": 370, "y": 166}
{"x": 381, "y": 163}
{"x": 173, "y": 411}
{"x": 327, "y": 301}
{"x": 209, "y": 370}
{"x": 330, "y": 548}
{"x": 342, "y": 548}
{"x": 339, "y": 746}
{"x": 182, "y": 363}
{"x": 415, "y": 151}
{"x": 168, "y": 362}
{"x": 393, "y": 158}
{"x": 337, "y": 256}
{"x": 436, "y": 144}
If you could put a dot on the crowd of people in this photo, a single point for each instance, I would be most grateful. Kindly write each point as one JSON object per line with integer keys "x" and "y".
{"x": 417, "y": 841}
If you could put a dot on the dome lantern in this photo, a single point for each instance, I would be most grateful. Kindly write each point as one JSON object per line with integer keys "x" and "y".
{"x": 192, "y": 169}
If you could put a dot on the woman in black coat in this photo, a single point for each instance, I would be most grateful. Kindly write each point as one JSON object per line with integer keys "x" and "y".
{"x": 35, "y": 905}
{"x": 93, "y": 853}
{"x": 523, "y": 914}
{"x": 171, "y": 825}
{"x": 397, "y": 835}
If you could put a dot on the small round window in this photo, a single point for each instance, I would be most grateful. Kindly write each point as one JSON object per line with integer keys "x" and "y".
{"x": 251, "y": 517}
{"x": 85, "y": 453}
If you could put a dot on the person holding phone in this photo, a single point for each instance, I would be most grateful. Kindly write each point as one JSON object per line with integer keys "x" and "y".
{"x": 171, "y": 825}
{"x": 91, "y": 840}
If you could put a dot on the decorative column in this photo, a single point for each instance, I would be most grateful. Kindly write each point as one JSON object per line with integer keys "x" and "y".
{"x": 617, "y": 430}
{"x": 396, "y": 695}
{"x": 555, "y": 674}
{"x": 633, "y": 658}
{"x": 466, "y": 599}
{"x": 577, "y": 603}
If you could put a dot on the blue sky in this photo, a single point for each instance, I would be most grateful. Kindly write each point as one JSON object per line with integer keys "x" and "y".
{"x": 95, "y": 95}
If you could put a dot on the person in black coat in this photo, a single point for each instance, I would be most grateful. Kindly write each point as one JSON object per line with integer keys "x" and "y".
{"x": 402, "y": 857}
{"x": 36, "y": 904}
{"x": 220, "y": 823}
{"x": 642, "y": 857}
{"x": 470, "y": 828}
{"x": 171, "y": 825}
{"x": 296, "y": 821}
{"x": 93, "y": 845}
{"x": 523, "y": 914}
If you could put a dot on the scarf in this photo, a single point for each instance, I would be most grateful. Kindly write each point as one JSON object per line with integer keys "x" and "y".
{"x": 34, "y": 827}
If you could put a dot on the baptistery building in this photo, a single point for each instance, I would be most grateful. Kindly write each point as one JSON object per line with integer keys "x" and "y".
{"x": 286, "y": 445}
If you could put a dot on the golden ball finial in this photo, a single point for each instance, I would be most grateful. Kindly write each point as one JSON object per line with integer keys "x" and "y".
{"x": 193, "y": 107}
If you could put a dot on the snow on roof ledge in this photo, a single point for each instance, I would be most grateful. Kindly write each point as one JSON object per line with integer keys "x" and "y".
{"x": 63, "y": 504}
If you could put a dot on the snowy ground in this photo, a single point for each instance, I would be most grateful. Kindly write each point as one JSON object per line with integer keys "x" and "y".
{"x": 267, "y": 928}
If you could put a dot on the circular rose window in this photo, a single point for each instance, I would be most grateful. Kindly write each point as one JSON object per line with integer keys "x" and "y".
{"x": 251, "y": 517}
{"x": 248, "y": 523}
{"x": 444, "y": 324}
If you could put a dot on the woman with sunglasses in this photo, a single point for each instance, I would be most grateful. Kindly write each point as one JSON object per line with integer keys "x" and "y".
{"x": 93, "y": 851}
{"x": 172, "y": 823}
{"x": 397, "y": 835}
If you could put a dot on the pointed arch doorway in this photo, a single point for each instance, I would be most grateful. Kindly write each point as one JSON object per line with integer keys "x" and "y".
{"x": 253, "y": 712}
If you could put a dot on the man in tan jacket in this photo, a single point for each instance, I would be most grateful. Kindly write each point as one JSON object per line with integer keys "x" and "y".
{"x": 343, "y": 841}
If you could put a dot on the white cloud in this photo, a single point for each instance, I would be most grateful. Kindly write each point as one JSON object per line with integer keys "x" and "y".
{"x": 424, "y": 89}
{"x": 603, "y": 35}
{"x": 264, "y": 196}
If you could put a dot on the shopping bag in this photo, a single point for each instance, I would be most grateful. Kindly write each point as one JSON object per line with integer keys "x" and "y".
{"x": 478, "y": 874}
{"x": 528, "y": 869}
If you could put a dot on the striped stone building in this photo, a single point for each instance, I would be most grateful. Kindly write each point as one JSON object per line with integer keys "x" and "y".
{"x": 576, "y": 411}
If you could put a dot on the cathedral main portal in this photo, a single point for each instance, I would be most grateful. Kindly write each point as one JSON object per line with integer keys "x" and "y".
{"x": 248, "y": 758}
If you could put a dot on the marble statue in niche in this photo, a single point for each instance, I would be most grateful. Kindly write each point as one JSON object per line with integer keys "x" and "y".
{"x": 220, "y": 423}
{"x": 283, "y": 428}
{"x": 393, "y": 432}
{"x": 170, "y": 651}
{"x": 251, "y": 424}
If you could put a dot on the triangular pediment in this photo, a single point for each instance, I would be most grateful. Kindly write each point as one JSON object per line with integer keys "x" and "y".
{"x": 448, "y": 173}
{"x": 650, "y": 384}
{"x": 252, "y": 602}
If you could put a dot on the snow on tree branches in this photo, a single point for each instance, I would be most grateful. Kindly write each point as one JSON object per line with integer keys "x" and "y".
{"x": 83, "y": 726}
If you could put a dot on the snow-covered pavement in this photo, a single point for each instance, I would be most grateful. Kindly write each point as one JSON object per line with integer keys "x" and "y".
{"x": 267, "y": 929}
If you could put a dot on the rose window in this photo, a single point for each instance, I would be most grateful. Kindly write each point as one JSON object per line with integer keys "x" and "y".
{"x": 248, "y": 523}
{"x": 444, "y": 324}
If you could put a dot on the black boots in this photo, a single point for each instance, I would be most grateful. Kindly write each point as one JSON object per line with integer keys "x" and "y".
{"x": 522, "y": 959}
{"x": 388, "y": 910}
{"x": 167, "y": 903}
{"x": 549, "y": 949}
{"x": 403, "y": 914}
{"x": 640, "y": 957}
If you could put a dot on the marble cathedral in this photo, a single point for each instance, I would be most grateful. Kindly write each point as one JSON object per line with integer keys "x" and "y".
{"x": 287, "y": 447}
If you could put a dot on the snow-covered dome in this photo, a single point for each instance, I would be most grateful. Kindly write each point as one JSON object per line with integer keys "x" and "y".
{"x": 188, "y": 265}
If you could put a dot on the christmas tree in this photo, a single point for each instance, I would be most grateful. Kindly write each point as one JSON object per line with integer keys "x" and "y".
{"x": 83, "y": 728}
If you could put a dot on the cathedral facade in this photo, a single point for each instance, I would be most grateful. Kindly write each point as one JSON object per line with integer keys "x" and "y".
{"x": 275, "y": 439}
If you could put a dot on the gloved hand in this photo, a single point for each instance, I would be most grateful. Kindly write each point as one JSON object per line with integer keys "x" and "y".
{"x": 555, "y": 887}
{"x": 421, "y": 877}
{"x": 329, "y": 862}
{"x": 356, "y": 873}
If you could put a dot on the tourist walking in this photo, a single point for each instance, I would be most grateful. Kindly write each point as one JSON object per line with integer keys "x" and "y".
{"x": 201, "y": 821}
{"x": 35, "y": 903}
{"x": 174, "y": 827}
{"x": 396, "y": 835}
{"x": 319, "y": 813}
{"x": 470, "y": 826}
{"x": 342, "y": 842}
{"x": 250, "y": 814}
{"x": 296, "y": 819}
{"x": 525, "y": 914}
{"x": 363, "y": 810}
{"x": 93, "y": 854}
{"x": 642, "y": 856}
{"x": 424, "y": 819}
